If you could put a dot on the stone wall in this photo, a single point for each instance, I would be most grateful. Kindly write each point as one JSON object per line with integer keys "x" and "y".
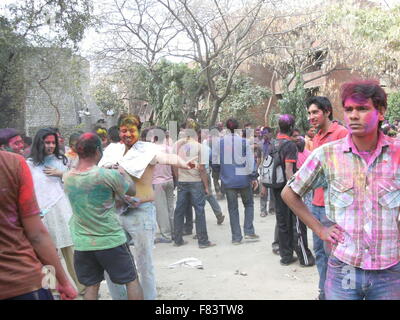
{"x": 55, "y": 86}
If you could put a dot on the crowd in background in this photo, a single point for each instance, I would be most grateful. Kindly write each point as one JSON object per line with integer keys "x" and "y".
{"x": 184, "y": 175}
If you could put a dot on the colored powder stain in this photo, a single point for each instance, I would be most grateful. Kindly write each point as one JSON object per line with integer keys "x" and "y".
{"x": 396, "y": 157}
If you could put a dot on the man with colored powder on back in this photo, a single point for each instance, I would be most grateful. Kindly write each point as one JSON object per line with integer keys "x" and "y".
{"x": 320, "y": 117}
{"x": 361, "y": 180}
{"x": 138, "y": 158}
{"x": 99, "y": 239}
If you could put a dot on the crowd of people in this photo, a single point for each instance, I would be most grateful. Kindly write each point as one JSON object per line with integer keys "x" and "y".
{"x": 103, "y": 201}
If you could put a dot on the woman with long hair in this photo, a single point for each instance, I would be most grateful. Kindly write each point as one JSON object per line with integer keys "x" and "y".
{"x": 48, "y": 165}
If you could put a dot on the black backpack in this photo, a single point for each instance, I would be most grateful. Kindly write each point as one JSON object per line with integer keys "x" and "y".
{"x": 273, "y": 169}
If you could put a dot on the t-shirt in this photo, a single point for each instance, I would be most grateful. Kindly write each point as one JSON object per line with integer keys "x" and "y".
{"x": 20, "y": 268}
{"x": 162, "y": 172}
{"x": 94, "y": 224}
{"x": 302, "y": 157}
{"x": 288, "y": 150}
{"x": 187, "y": 150}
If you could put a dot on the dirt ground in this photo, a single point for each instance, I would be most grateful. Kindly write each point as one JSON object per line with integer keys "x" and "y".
{"x": 243, "y": 272}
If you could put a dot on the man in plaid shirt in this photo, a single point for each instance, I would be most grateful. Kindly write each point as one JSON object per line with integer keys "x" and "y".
{"x": 360, "y": 176}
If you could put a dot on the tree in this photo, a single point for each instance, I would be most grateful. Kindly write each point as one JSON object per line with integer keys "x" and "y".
{"x": 173, "y": 89}
{"x": 107, "y": 97}
{"x": 28, "y": 23}
{"x": 294, "y": 102}
{"x": 244, "y": 96}
{"x": 51, "y": 22}
{"x": 223, "y": 37}
{"x": 366, "y": 37}
{"x": 216, "y": 35}
{"x": 393, "y": 110}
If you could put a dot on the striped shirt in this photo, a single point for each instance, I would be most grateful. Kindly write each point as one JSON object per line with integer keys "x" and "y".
{"x": 361, "y": 197}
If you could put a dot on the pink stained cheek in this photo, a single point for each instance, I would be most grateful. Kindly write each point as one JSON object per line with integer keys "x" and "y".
{"x": 371, "y": 120}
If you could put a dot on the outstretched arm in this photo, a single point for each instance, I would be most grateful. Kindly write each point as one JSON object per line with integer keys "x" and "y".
{"x": 173, "y": 160}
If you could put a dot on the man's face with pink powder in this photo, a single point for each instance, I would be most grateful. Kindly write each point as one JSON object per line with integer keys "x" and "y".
{"x": 361, "y": 117}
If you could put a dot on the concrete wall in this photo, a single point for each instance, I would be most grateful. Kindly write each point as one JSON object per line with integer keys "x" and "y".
{"x": 55, "y": 79}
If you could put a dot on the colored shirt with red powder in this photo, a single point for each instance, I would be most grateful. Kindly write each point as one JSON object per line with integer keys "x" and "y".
{"x": 335, "y": 132}
{"x": 362, "y": 197}
{"x": 302, "y": 157}
{"x": 20, "y": 268}
{"x": 95, "y": 224}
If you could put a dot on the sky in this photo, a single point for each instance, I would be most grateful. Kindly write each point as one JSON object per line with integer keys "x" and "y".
{"x": 93, "y": 38}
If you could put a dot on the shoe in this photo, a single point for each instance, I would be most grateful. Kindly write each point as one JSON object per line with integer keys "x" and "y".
{"x": 263, "y": 214}
{"x": 288, "y": 262}
{"x": 236, "y": 242}
{"x": 162, "y": 240}
{"x": 271, "y": 213}
{"x": 207, "y": 245}
{"x": 311, "y": 263}
{"x": 180, "y": 244}
{"x": 276, "y": 251}
{"x": 186, "y": 233}
{"x": 220, "y": 219}
{"x": 195, "y": 237}
{"x": 251, "y": 236}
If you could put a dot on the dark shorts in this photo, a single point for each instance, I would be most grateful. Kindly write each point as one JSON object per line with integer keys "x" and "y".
{"x": 41, "y": 294}
{"x": 118, "y": 262}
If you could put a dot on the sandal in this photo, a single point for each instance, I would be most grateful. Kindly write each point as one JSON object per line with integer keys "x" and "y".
{"x": 263, "y": 214}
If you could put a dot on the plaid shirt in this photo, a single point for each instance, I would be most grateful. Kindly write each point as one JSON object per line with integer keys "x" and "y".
{"x": 363, "y": 198}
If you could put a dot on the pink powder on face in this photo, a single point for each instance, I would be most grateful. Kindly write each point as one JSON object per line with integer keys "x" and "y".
{"x": 369, "y": 121}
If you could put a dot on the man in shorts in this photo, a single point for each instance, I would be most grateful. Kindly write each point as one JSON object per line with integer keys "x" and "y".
{"x": 100, "y": 241}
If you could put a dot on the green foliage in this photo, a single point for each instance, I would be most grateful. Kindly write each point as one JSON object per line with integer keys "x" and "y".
{"x": 294, "y": 103}
{"x": 366, "y": 35}
{"x": 60, "y": 22}
{"x": 244, "y": 95}
{"x": 173, "y": 89}
{"x": 393, "y": 110}
{"x": 107, "y": 98}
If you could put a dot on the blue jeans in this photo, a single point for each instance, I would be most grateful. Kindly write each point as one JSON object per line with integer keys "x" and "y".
{"x": 233, "y": 208}
{"x": 345, "y": 282}
{"x": 320, "y": 249}
{"x": 140, "y": 223}
{"x": 190, "y": 193}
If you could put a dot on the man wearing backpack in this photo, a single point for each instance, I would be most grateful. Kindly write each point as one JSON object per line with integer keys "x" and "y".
{"x": 282, "y": 157}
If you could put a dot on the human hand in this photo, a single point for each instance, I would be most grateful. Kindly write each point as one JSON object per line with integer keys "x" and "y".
{"x": 110, "y": 166}
{"x": 254, "y": 184}
{"x": 207, "y": 192}
{"x": 333, "y": 234}
{"x": 132, "y": 201}
{"x": 67, "y": 292}
{"x": 52, "y": 172}
{"x": 121, "y": 170}
{"x": 191, "y": 164}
